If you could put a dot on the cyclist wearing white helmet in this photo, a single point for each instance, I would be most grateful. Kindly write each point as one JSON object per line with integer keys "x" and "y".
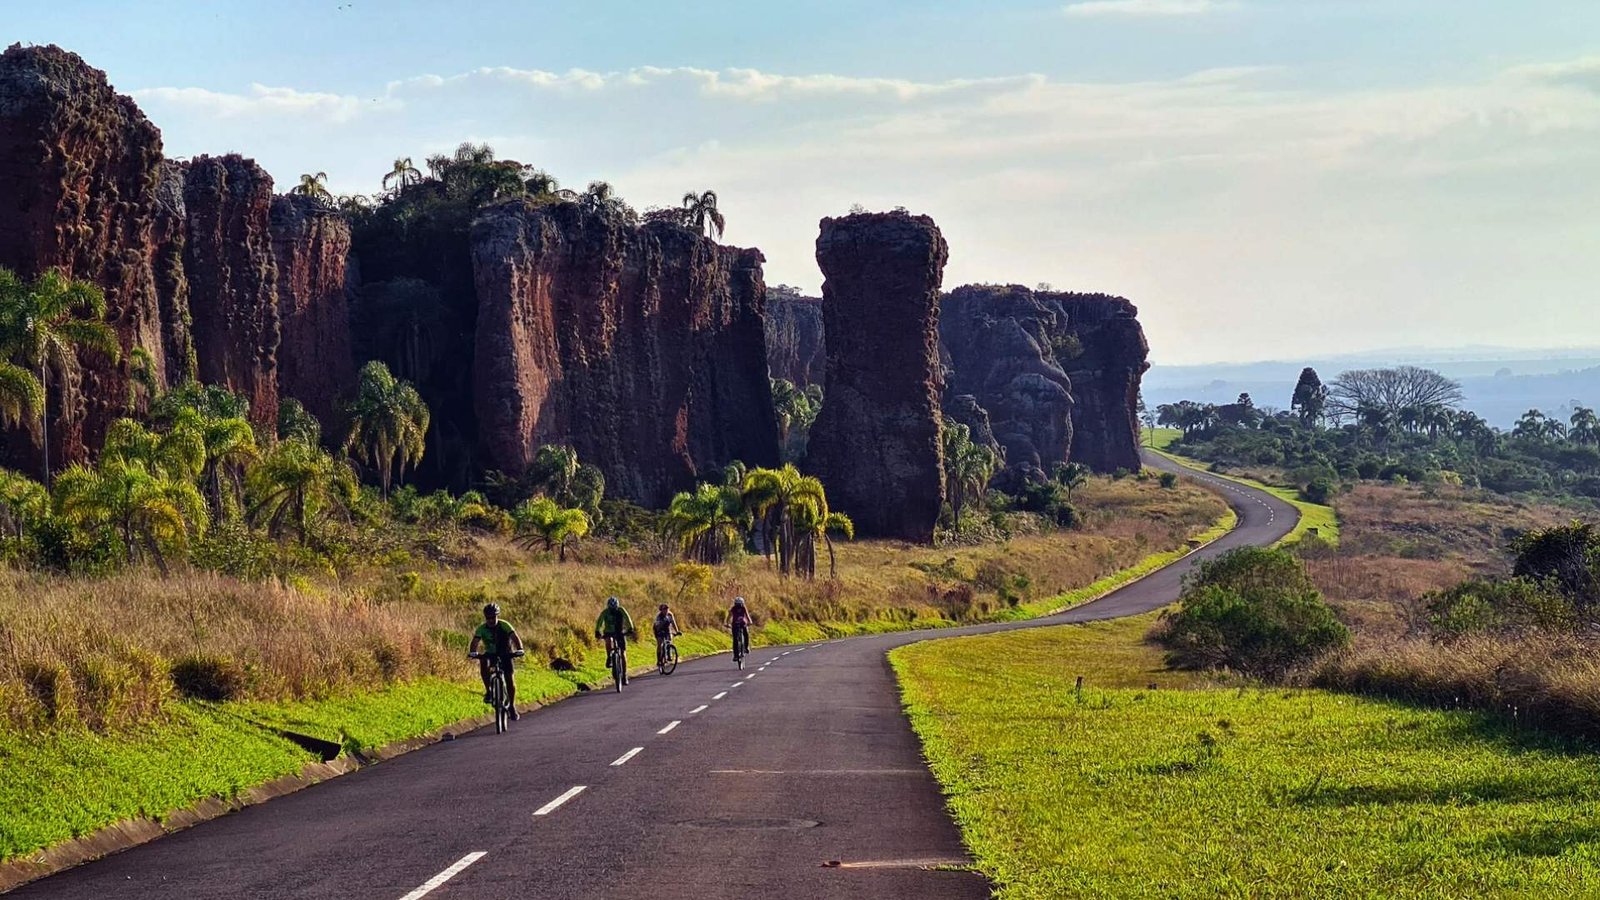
{"x": 740, "y": 620}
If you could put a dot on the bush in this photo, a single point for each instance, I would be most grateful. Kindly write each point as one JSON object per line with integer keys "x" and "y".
{"x": 1318, "y": 491}
{"x": 207, "y": 676}
{"x": 1169, "y": 480}
{"x": 1252, "y": 610}
{"x": 1483, "y": 605}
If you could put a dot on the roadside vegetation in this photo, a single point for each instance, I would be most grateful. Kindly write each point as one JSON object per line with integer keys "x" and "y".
{"x": 1153, "y": 781}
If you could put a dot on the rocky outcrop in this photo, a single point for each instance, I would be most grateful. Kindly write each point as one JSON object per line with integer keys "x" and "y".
{"x": 311, "y": 244}
{"x": 79, "y": 168}
{"x": 1002, "y": 344}
{"x": 640, "y": 347}
{"x": 796, "y": 350}
{"x": 1110, "y": 359}
{"x": 876, "y": 442}
{"x": 233, "y": 278}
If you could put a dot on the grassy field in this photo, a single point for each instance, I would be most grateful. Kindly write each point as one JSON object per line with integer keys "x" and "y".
{"x": 1192, "y": 789}
{"x": 93, "y": 728}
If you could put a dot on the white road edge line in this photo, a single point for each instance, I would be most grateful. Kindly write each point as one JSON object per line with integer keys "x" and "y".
{"x": 698, "y": 709}
{"x": 719, "y": 696}
{"x": 434, "y": 882}
{"x": 555, "y": 804}
{"x": 673, "y": 724}
{"x": 627, "y": 756}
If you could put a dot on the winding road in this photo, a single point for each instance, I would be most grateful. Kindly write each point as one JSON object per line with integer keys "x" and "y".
{"x": 798, "y": 777}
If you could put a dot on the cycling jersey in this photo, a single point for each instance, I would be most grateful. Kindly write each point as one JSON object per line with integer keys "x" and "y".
{"x": 665, "y": 624}
{"x": 495, "y": 641}
{"x": 740, "y": 615}
{"x": 613, "y": 622}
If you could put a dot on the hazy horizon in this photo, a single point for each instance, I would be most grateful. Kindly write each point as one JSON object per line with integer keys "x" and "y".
{"x": 1266, "y": 179}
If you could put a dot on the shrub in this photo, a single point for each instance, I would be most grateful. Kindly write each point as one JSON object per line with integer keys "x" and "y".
{"x": 1318, "y": 491}
{"x": 1169, "y": 480}
{"x": 208, "y": 676}
{"x": 1252, "y": 610}
{"x": 1512, "y": 604}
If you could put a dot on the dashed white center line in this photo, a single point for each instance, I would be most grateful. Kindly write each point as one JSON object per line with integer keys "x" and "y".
{"x": 734, "y": 685}
{"x": 627, "y": 756}
{"x": 698, "y": 709}
{"x": 673, "y": 724}
{"x": 719, "y": 696}
{"x": 762, "y": 669}
{"x": 555, "y": 804}
{"x": 454, "y": 870}
{"x": 750, "y": 676}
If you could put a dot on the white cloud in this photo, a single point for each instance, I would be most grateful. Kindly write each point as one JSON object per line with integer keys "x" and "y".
{"x": 262, "y": 100}
{"x": 1583, "y": 73}
{"x": 1147, "y": 8}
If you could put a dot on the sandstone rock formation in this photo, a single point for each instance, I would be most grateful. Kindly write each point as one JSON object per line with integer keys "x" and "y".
{"x": 876, "y": 442}
{"x": 640, "y": 347}
{"x": 311, "y": 245}
{"x": 1003, "y": 344}
{"x": 233, "y": 278}
{"x": 1111, "y": 360}
{"x": 78, "y": 174}
{"x": 796, "y": 349}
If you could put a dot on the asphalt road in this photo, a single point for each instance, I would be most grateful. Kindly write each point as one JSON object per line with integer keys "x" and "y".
{"x": 798, "y": 777}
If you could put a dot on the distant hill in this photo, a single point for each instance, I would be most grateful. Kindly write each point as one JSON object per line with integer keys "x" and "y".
{"x": 1500, "y": 384}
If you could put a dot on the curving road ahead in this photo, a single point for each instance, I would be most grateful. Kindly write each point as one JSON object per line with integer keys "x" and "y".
{"x": 798, "y": 777}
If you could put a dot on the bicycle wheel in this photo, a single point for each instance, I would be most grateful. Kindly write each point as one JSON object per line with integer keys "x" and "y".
{"x": 497, "y": 693}
{"x": 619, "y": 668}
{"x": 671, "y": 662}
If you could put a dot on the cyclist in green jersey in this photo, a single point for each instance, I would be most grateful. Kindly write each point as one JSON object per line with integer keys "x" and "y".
{"x": 615, "y": 626}
{"x": 500, "y": 640}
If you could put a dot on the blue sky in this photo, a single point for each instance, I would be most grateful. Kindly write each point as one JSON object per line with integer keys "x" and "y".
{"x": 1264, "y": 177}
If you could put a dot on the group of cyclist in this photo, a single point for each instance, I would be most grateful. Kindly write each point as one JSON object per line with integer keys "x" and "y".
{"x": 497, "y": 640}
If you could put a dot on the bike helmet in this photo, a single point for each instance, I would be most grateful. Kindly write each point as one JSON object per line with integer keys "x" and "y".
{"x": 738, "y": 601}
{"x": 662, "y": 607}
{"x": 492, "y": 609}
{"x": 612, "y": 603}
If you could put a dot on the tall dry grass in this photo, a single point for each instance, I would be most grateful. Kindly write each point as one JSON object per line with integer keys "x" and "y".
{"x": 106, "y": 653}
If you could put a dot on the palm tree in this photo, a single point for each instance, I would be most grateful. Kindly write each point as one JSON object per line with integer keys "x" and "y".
{"x": 812, "y": 520}
{"x": 1070, "y": 476}
{"x": 293, "y": 485}
{"x": 1585, "y": 426}
{"x": 41, "y": 323}
{"x": 601, "y": 197}
{"x": 701, "y": 214}
{"x": 23, "y": 502}
{"x": 968, "y": 467}
{"x": 706, "y": 522}
{"x": 540, "y": 183}
{"x": 388, "y": 423}
{"x": 403, "y": 175}
{"x": 553, "y": 470}
{"x": 145, "y": 508}
{"x": 771, "y": 495}
{"x": 178, "y": 452}
{"x": 314, "y": 186}
{"x": 228, "y": 445}
{"x": 542, "y": 519}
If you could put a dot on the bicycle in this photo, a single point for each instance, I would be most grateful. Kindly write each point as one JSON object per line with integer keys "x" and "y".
{"x": 499, "y": 693}
{"x": 666, "y": 655}
{"x": 619, "y": 662}
{"x": 741, "y": 645}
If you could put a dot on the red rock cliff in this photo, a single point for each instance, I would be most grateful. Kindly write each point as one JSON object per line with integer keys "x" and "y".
{"x": 311, "y": 244}
{"x": 1005, "y": 345}
{"x": 1105, "y": 379}
{"x": 796, "y": 349}
{"x": 79, "y": 168}
{"x": 876, "y": 442}
{"x": 233, "y": 278}
{"x": 641, "y": 347}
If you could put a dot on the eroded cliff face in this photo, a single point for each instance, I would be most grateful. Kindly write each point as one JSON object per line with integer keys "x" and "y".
{"x": 1003, "y": 345}
{"x": 79, "y": 169}
{"x": 1106, "y": 372}
{"x": 311, "y": 245}
{"x": 640, "y": 347}
{"x": 796, "y": 348}
{"x": 233, "y": 278}
{"x": 876, "y": 441}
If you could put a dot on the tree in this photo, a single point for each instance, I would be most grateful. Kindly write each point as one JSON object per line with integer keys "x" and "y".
{"x": 542, "y": 519}
{"x": 706, "y": 522}
{"x": 1564, "y": 557}
{"x": 968, "y": 467}
{"x": 294, "y": 485}
{"x": 42, "y": 322}
{"x": 403, "y": 175}
{"x": 540, "y": 183}
{"x": 23, "y": 502}
{"x": 813, "y": 521}
{"x": 797, "y": 410}
{"x": 315, "y": 187}
{"x": 700, "y": 213}
{"x": 1584, "y": 427}
{"x": 601, "y": 198}
{"x": 1310, "y": 397}
{"x": 1071, "y": 476}
{"x": 146, "y": 508}
{"x": 388, "y": 423}
{"x": 295, "y": 422}
{"x": 1391, "y": 390}
{"x": 771, "y": 495}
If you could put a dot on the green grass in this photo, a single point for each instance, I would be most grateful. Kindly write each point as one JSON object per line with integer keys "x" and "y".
{"x": 1160, "y": 438}
{"x": 1312, "y": 515}
{"x": 1193, "y": 790}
